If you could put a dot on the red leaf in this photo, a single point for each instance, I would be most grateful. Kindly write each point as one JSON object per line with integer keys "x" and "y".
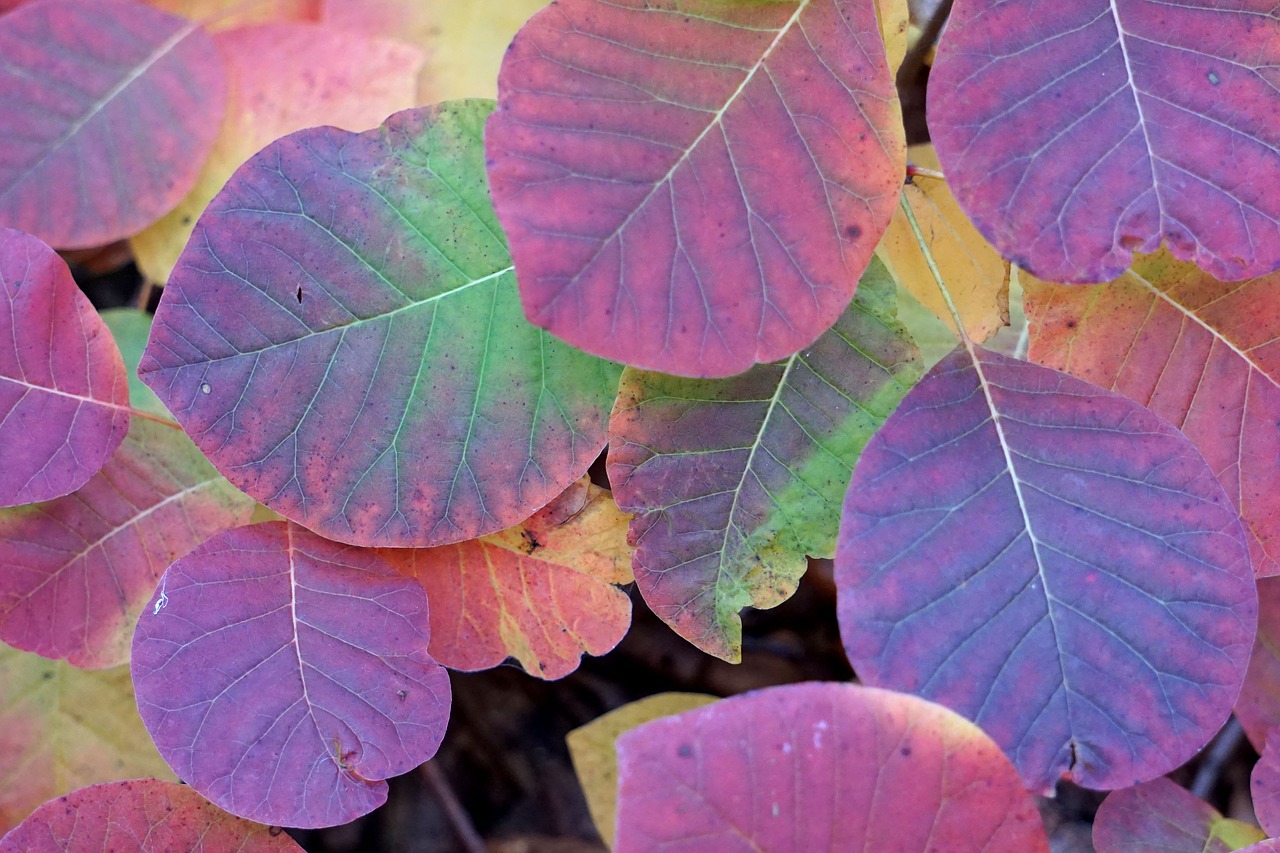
{"x": 1075, "y": 134}
{"x": 1162, "y": 817}
{"x": 79, "y": 569}
{"x": 1052, "y": 561}
{"x": 107, "y": 111}
{"x": 1271, "y": 845}
{"x": 285, "y": 676}
{"x": 388, "y": 391}
{"x": 1265, "y": 785}
{"x": 143, "y": 815}
{"x": 820, "y": 767}
{"x": 694, "y": 193}
{"x": 1196, "y": 352}
{"x": 1258, "y": 708}
{"x": 64, "y": 394}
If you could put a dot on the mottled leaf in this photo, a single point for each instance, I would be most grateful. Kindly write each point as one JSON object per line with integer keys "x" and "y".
{"x": 1075, "y": 134}
{"x": 1258, "y": 708}
{"x": 140, "y": 815}
{"x": 694, "y": 187}
{"x": 226, "y": 14}
{"x": 976, "y": 276}
{"x": 1162, "y": 817}
{"x": 410, "y": 403}
{"x": 1052, "y": 561}
{"x": 62, "y": 728}
{"x": 1271, "y": 845}
{"x": 593, "y": 748}
{"x": 895, "y": 23}
{"x": 284, "y": 676}
{"x": 77, "y": 570}
{"x": 284, "y": 77}
{"x": 820, "y": 767}
{"x": 1264, "y": 785}
{"x": 543, "y": 592}
{"x": 64, "y": 395}
{"x": 464, "y": 42}
{"x": 107, "y": 110}
{"x": 130, "y": 328}
{"x": 735, "y": 481}
{"x": 1195, "y": 351}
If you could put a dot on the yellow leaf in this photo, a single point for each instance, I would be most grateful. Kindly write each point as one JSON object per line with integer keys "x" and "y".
{"x": 895, "y": 21}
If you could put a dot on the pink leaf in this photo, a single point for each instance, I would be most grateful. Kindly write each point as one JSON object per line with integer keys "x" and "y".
{"x": 1265, "y": 785}
{"x": 1162, "y": 817}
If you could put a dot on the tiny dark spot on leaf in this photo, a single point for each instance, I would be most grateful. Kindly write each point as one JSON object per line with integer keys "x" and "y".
{"x": 905, "y": 752}
{"x": 299, "y": 295}
{"x": 531, "y": 542}
{"x": 47, "y": 675}
{"x": 685, "y": 751}
{"x": 402, "y": 693}
{"x": 275, "y": 831}
{"x": 853, "y": 232}
{"x": 1071, "y": 324}
{"x": 186, "y": 220}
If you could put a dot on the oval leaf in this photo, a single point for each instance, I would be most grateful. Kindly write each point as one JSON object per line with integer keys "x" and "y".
{"x": 1063, "y": 129}
{"x": 107, "y": 110}
{"x": 64, "y": 394}
{"x": 735, "y": 481}
{"x": 820, "y": 767}
{"x": 284, "y": 77}
{"x": 1052, "y": 561}
{"x": 1162, "y": 817}
{"x": 410, "y": 403}
{"x": 62, "y": 728}
{"x": 1195, "y": 351}
{"x": 143, "y": 815}
{"x": 1264, "y": 785}
{"x": 544, "y": 592}
{"x": 285, "y": 677}
{"x": 1258, "y": 708}
{"x": 78, "y": 570}
{"x": 694, "y": 191}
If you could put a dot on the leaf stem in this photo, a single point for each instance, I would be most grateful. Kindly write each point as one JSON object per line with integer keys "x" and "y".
{"x": 453, "y": 810}
{"x": 147, "y": 416}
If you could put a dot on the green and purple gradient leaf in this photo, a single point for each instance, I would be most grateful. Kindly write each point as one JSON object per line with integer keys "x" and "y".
{"x": 1197, "y": 352}
{"x": 1264, "y": 785}
{"x": 1162, "y": 817}
{"x": 62, "y": 728}
{"x": 1258, "y": 708}
{"x": 387, "y": 390}
{"x": 544, "y": 592}
{"x": 819, "y": 766}
{"x": 64, "y": 394}
{"x": 694, "y": 187}
{"x": 107, "y": 111}
{"x": 77, "y": 570}
{"x": 1052, "y": 561}
{"x": 146, "y": 815}
{"x": 734, "y": 481}
{"x": 130, "y": 328}
{"x": 1076, "y": 134}
{"x": 285, "y": 677}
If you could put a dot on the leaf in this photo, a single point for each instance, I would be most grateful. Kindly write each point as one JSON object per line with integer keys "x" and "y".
{"x": 129, "y": 328}
{"x": 1052, "y": 561}
{"x": 143, "y": 815}
{"x": 107, "y": 110}
{"x": 735, "y": 481}
{"x": 1271, "y": 845}
{"x": 1075, "y": 134}
{"x": 63, "y": 389}
{"x": 284, "y": 77}
{"x": 820, "y": 767}
{"x": 284, "y": 676}
{"x": 976, "y": 276}
{"x": 378, "y": 282}
{"x": 1162, "y": 817}
{"x": 1258, "y": 708}
{"x": 1196, "y": 352}
{"x": 544, "y": 592}
{"x": 694, "y": 188}
{"x": 593, "y": 748}
{"x": 464, "y": 42}
{"x": 62, "y": 728}
{"x": 1264, "y": 785}
{"x": 78, "y": 570}
{"x": 895, "y": 23}
{"x": 225, "y": 14}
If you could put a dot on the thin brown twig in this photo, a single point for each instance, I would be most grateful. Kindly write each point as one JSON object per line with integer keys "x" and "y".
{"x": 913, "y": 62}
{"x": 453, "y": 810}
{"x": 1216, "y": 758}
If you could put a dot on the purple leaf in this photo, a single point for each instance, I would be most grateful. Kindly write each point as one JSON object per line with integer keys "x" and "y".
{"x": 1054, "y": 562}
{"x": 285, "y": 676}
{"x": 1162, "y": 817}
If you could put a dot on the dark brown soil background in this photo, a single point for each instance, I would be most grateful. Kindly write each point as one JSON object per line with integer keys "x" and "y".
{"x": 503, "y": 782}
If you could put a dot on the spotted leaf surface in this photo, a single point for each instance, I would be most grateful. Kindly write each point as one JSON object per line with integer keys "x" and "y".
{"x": 694, "y": 187}
{"x": 147, "y": 815}
{"x": 388, "y": 390}
{"x": 1258, "y": 708}
{"x": 820, "y": 767}
{"x": 734, "y": 481}
{"x": 1198, "y": 352}
{"x": 284, "y": 676}
{"x": 107, "y": 110}
{"x": 1162, "y": 817}
{"x": 64, "y": 394}
{"x": 1075, "y": 134}
{"x": 1052, "y": 561}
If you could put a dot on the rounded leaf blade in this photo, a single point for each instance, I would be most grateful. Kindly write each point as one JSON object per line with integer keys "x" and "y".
{"x": 1162, "y": 817}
